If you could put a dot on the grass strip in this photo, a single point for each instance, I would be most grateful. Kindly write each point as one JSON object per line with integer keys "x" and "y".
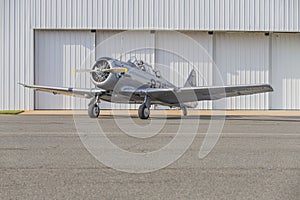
{"x": 11, "y": 112}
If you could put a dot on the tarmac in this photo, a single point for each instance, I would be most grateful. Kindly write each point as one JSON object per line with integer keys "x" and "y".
{"x": 256, "y": 157}
{"x": 173, "y": 112}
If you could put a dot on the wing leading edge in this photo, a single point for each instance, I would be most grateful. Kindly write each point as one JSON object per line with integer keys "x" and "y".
{"x": 78, "y": 92}
{"x": 190, "y": 94}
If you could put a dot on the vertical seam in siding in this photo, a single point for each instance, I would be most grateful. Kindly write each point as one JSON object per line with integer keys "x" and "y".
{"x": 2, "y": 57}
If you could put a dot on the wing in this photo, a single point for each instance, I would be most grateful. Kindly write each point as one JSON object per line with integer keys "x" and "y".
{"x": 78, "y": 92}
{"x": 190, "y": 94}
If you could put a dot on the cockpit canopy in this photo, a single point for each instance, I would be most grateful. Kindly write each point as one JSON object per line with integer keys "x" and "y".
{"x": 144, "y": 66}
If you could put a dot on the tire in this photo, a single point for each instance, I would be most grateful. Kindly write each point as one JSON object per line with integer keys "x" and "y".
{"x": 143, "y": 112}
{"x": 93, "y": 111}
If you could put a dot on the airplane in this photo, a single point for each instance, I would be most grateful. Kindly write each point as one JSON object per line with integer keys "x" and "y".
{"x": 137, "y": 82}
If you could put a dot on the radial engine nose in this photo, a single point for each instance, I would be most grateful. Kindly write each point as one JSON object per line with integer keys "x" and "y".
{"x": 100, "y": 75}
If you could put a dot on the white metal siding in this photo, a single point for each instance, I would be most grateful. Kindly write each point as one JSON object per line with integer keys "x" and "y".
{"x": 57, "y": 53}
{"x": 16, "y": 62}
{"x": 177, "y": 54}
{"x": 243, "y": 59}
{"x": 286, "y": 71}
{"x": 231, "y": 15}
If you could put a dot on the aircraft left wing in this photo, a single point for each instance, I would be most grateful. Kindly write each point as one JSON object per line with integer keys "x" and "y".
{"x": 190, "y": 94}
{"x": 79, "y": 92}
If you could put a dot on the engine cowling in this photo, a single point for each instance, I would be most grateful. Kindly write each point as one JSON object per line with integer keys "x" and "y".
{"x": 104, "y": 80}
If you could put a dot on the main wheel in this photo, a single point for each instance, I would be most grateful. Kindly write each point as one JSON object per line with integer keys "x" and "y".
{"x": 93, "y": 111}
{"x": 144, "y": 112}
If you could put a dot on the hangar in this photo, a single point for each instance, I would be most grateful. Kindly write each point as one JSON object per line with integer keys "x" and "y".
{"x": 251, "y": 42}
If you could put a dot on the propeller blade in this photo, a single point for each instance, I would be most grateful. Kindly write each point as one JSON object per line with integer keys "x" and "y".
{"x": 83, "y": 70}
{"x": 115, "y": 70}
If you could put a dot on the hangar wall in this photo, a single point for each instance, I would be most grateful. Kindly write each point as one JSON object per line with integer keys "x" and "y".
{"x": 21, "y": 19}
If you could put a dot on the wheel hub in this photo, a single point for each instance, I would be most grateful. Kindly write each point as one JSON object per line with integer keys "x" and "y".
{"x": 146, "y": 111}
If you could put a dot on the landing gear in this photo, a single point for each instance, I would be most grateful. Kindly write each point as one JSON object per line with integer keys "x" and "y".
{"x": 94, "y": 108}
{"x": 144, "y": 112}
{"x": 184, "y": 110}
{"x": 144, "y": 109}
{"x": 93, "y": 111}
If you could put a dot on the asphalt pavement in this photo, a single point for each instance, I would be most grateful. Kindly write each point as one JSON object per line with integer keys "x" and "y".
{"x": 42, "y": 157}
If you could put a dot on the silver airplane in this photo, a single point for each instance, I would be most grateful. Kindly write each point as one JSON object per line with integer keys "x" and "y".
{"x": 137, "y": 82}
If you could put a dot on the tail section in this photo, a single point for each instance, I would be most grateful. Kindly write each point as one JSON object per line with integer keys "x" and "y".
{"x": 191, "y": 82}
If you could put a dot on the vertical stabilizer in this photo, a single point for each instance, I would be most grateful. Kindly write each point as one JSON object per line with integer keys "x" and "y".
{"x": 191, "y": 80}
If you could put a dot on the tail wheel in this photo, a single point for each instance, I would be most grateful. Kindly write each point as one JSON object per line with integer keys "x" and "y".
{"x": 144, "y": 112}
{"x": 184, "y": 111}
{"x": 93, "y": 111}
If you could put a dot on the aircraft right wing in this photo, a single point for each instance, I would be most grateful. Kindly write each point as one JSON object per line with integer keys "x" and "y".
{"x": 191, "y": 94}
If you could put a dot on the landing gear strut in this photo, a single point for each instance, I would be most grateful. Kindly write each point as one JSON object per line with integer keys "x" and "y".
{"x": 184, "y": 110}
{"x": 144, "y": 109}
{"x": 94, "y": 107}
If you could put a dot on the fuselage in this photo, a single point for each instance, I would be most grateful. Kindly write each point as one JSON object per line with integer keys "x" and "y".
{"x": 138, "y": 75}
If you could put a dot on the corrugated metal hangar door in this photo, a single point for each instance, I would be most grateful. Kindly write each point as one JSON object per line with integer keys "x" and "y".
{"x": 123, "y": 45}
{"x": 178, "y": 53}
{"x": 56, "y": 54}
{"x": 286, "y": 71}
{"x": 243, "y": 58}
